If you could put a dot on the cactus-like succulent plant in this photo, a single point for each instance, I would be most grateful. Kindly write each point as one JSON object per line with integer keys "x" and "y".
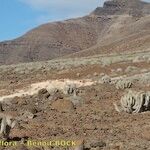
{"x": 70, "y": 89}
{"x": 105, "y": 79}
{"x": 123, "y": 84}
{"x": 134, "y": 102}
{"x": 7, "y": 122}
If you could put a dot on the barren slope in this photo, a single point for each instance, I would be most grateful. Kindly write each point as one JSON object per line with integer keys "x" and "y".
{"x": 90, "y": 115}
{"x": 52, "y": 40}
{"x": 125, "y": 34}
{"x": 119, "y": 25}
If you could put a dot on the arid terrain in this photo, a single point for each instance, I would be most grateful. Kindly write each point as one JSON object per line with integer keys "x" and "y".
{"x": 74, "y": 96}
{"x": 89, "y": 115}
{"x": 120, "y": 25}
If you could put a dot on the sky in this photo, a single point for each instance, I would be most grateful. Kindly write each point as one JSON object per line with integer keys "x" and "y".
{"x": 19, "y": 16}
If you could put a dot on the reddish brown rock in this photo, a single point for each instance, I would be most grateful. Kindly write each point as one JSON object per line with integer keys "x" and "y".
{"x": 62, "y": 105}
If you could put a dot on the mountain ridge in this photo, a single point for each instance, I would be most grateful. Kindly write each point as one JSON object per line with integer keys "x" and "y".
{"x": 116, "y": 20}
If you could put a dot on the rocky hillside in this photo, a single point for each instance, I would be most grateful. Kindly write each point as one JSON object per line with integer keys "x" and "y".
{"x": 118, "y": 25}
{"x": 119, "y": 7}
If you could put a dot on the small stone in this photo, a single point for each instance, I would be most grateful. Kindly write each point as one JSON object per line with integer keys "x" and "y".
{"x": 62, "y": 68}
{"x": 76, "y": 100}
{"x": 56, "y": 96}
{"x": 78, "y": 74}
{"x": 98, "y": 144}
{"x": 36, "y": 103}
{"x": 119, "y": 70}
{"x": 146, "y": 134}
{"x": 116, "y": 146}
{"x": 33, "y": 110}
{"x": 15, "y": 100}
{"x": 42, "y": 91}
{"x": 89, "y": 127}
{"x": 95, "y": 74}
{"x": 23, "y": 102}
{"x": 1, "y": 107}
{"x": 52, "y": 91}
{"x": 46, "y": 95}
{"x": 102, "y": 74}
{"x": 27, "y": 115}
{"x": 62, "y": 105}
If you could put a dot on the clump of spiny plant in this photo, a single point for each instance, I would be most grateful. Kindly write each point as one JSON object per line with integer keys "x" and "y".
{"x": 134, "y": 102}
{"x": 105, "y": 79}
{"x": 140, "y": 59}
{"x": 7, "y": 122}
{"x": 123, "y": 84}
{"x": 131, "y": 69}
{"x": 70, "y": 89}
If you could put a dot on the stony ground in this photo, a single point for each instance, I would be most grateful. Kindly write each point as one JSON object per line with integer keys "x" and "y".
{"x": 89, "y": 116}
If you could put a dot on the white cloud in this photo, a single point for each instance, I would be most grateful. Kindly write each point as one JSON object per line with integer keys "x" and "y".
{"x": 47, "y": 5}
{"x": 63, "y": 5}
{"x": 61, "y": 9}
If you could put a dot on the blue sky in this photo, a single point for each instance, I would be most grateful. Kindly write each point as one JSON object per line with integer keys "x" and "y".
{"x": 19, "y": 16}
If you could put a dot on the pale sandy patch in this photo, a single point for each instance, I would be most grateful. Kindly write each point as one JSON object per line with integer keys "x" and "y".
{"x": 50, "y": 84}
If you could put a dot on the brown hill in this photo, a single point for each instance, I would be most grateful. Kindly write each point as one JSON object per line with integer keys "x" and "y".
{"x": 117, "y": 26}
